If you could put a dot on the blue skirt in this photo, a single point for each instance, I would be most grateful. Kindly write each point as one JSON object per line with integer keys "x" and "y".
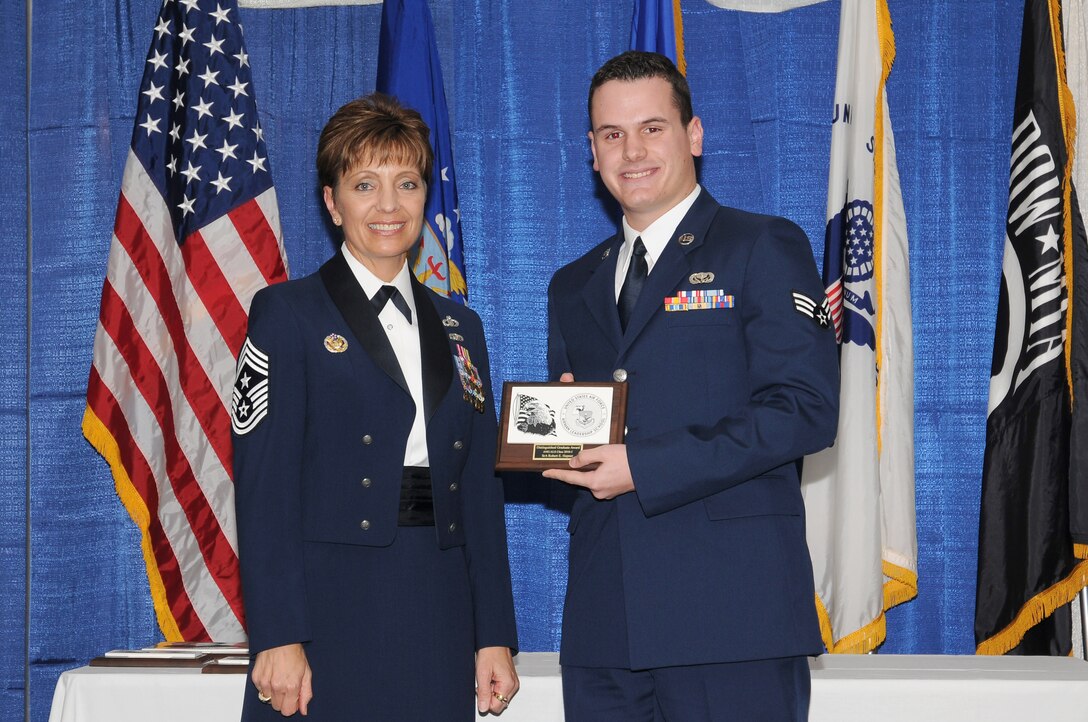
{"x": 393, "y": 634}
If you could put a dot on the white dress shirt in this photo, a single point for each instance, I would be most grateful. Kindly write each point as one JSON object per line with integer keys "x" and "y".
{"x": 404, "y": 338}
{"x": 655, "y": 237}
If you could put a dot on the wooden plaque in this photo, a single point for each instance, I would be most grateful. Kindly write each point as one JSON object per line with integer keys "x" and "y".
{"x": 543, "y": 425}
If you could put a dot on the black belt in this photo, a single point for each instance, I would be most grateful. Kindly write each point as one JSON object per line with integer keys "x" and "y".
{"x": 416, "y": 501}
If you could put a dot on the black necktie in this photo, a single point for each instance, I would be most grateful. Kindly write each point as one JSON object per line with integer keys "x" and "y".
{"x": 632, "y": 284}
{"x": 387, "y": 293}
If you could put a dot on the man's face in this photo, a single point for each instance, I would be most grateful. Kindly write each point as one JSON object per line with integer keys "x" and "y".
{"x": 641, "y": 149}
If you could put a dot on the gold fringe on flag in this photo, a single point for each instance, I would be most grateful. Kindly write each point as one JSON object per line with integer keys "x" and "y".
{"x": 105, "y": 444}
{"x": 678, "y": 24}
{"x": 1035, "y": 610}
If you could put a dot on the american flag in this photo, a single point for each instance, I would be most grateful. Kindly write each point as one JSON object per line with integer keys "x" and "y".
{"x": 196, "y": 235}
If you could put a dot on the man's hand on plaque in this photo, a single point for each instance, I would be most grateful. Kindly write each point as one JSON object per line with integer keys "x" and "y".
{"x": 609, "y": 474}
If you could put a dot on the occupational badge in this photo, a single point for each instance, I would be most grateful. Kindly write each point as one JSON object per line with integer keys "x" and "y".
{"x": 335, "y": 343}
{"x": 686, "y": 239}
{"x": 456, "y": 337}
{"x": 470, "y": 379}
{"x": 450, "y": 322}
{"x": 249, "y": 399}
{"x": 699, "y": 278}
{"x": 819, "y": 312}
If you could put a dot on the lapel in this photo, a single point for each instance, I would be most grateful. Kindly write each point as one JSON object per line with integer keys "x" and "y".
{"x": 434, "y": 350}
{"x": 599, "y": 293}
{"x": 361, "y": 317}
{"x": 671, "y": 267}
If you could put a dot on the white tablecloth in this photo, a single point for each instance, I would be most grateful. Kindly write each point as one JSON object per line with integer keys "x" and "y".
{"x": 132, "y": 694}
{"x": 845, "y": 688}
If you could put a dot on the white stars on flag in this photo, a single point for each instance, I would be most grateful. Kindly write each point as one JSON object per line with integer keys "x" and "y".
{"x": 226, "y": 150}
{"x": 221, "y": 184}
{"x": 234, "y": 120}
{"x": 151, "y": 125}
{"x": 186, "y": 35}
{"x": 209, "y": 77}
{"x": 215, "y": 45}
{"x": 220, "y": 14}
{"x": 153, "y": 92}
{"x": 197, "y": 141}
{"x": 196, "y": 96}
{"x": 239, "y": 88}
{"x": 204, "y": 107}
{"x": 257, "y": 162}
{"x": 192, "y": 173}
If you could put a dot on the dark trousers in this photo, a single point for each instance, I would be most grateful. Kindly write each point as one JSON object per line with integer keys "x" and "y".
{"x": 770, "y": 690}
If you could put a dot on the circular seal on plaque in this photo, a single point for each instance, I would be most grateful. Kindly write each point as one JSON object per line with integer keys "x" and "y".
{"x": 584, "y": 414}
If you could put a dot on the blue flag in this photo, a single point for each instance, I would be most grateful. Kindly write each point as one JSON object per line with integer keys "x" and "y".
{"x": 409, "y": 69}
{"x": 657, "y": 27}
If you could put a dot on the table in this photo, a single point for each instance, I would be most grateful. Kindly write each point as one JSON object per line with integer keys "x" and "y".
{"x": 135, "y": 694}
{"x": 845, "y": 688}
{"x": 939, "y": 688}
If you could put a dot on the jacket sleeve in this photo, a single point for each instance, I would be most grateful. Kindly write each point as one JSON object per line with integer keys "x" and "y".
{"x": 558, "y": 362}
{"x": 485, "y": 526}
{"x": 793, "y": 378}
{"x": 268, "y": 476}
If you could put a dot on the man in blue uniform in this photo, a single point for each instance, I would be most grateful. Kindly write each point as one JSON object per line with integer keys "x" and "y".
{"x": 690, "y": 595}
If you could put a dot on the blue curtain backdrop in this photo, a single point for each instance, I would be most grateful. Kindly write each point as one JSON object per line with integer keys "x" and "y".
{"x": 13, "y": 380}
{"x": 516, "y": 76}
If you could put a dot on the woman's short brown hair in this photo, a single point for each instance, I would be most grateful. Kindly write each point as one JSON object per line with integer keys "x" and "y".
{"x": 373, "y": 130}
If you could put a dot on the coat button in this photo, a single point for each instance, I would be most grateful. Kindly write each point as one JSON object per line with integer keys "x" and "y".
{"x": 366, "y": 482}
{"x": 453, "y": 486}
{"x": 619, "y": 375}
{"x": 368, "y": 439}
{"x": 458, "y": 445}
{"x": 453, "y": 526}
{"x": 364, "y": 524}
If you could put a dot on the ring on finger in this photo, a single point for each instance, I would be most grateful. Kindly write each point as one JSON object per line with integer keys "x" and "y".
{"x": 262, "y": 697}
{"x": 502, "y": 698}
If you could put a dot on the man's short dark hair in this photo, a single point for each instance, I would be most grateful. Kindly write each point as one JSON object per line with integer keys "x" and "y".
{"x": 638, "y": 64}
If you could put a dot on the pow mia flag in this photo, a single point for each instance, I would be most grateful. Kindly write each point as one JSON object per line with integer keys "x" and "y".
{"x": 1033, "y": 533}
{"x": 249, "y": 401}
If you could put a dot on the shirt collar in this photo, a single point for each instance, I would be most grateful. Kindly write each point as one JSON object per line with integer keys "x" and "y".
{"x": 656, "y": 235}
{"x": 371, "y": 283}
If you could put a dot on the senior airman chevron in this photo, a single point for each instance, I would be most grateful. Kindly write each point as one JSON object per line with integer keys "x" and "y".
{"x": 698, "y": 300}
{"x": 820, "y": 312}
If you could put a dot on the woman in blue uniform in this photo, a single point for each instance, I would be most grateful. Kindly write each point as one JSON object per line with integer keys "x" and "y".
{"x": 370, "y": 523}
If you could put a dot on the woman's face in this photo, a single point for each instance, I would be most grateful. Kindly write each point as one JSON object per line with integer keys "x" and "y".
{"x": 381, "y": 211}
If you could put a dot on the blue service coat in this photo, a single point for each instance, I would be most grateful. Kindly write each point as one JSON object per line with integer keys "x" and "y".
{"x": 322, "y": 467}
{"x": 706, "y": 561}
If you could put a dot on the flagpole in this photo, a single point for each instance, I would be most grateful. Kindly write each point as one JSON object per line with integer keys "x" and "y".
{"x": 1083, "y": 597}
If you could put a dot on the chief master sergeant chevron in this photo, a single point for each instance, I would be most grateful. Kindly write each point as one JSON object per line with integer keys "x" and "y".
{"x": 690, "y": 595}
